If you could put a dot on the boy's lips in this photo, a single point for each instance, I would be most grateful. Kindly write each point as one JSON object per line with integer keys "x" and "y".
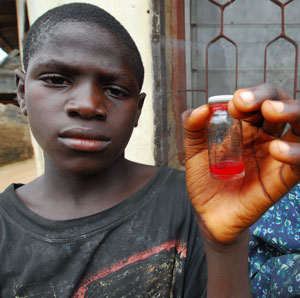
{"x": 83, "y": 139}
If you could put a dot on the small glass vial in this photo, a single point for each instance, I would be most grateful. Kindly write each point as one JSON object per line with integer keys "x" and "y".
{"x": 225, "y": 141}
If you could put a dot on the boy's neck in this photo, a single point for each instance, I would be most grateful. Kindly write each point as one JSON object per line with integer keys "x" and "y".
{"x": 77, "y": 187}
{"x": 60, "y": 195}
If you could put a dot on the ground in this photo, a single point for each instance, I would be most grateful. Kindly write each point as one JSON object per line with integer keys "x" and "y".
{"x": 20, "y": 172}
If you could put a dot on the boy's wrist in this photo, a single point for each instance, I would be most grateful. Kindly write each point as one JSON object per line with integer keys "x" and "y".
{"x": 226, "y": 249}
{"x": 227, "y": 268}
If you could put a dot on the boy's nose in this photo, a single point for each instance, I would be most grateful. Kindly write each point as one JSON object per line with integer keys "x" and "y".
{"x": 88, "y": 103}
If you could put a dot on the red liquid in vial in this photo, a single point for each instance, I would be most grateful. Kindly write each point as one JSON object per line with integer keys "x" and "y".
{"x": 228, "y": 169}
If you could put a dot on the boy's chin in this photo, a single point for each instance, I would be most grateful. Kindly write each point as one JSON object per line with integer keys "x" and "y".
{"x": 78, "y": 168}
{"x": 83, "y": 166}
{"x": 86, "y": 170}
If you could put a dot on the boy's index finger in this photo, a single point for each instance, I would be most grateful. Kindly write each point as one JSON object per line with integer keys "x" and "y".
{"x": 250, "y": 99}
{"x": 284, "y": 111}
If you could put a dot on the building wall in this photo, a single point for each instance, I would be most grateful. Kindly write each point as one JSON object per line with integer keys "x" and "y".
{"x": 14, "y": 135}
{"x": 134, "y": 15}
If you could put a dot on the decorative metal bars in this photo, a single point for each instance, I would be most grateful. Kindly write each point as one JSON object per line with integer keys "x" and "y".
{"x": 221, "y": 35}
{"x": 288, "y": 39}
{"x": 218, "y": 37}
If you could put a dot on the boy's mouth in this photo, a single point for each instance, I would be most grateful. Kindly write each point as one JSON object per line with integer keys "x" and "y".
{"x": 83, "y": 139}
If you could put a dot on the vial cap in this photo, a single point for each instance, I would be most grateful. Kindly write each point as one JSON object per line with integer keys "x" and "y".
{"x": 219, "y": 98}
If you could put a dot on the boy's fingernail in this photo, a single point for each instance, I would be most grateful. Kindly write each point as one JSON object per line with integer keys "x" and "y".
{"x": 278, "y": 106}
{"x": 283, "y": 147}
{"x": 247, "y": 97}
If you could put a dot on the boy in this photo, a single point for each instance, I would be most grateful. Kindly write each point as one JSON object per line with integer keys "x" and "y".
{"x": 98, "y": 225}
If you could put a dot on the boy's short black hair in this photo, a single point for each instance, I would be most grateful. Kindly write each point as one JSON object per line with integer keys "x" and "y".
{"x": 86, "y": 13}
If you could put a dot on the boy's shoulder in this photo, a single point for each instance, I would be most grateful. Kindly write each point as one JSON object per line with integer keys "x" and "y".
{"x": 171, "y": 185}
{"x": 160, "y": 176}
{"x": 9, "y": 191}
{"x": 172, "y": 176}
{"x": 8, "y": 200}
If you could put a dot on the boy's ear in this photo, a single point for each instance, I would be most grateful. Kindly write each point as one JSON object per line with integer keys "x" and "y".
{"x": 20, "y": 81}
{"x": 142, "y": 97}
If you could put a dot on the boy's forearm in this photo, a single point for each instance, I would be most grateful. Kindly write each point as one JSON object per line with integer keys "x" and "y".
{"x": 227, "y": 269}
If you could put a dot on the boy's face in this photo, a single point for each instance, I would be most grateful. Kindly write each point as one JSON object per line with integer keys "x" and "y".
{"x": 82, "y": 98}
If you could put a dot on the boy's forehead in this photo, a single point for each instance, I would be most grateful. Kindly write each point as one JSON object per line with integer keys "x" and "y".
{"x": 87, "y": 39}
{"x": 84, "y": 33}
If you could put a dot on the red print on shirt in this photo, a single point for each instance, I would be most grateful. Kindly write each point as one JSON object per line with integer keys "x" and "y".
{"x": 104, "y": 272}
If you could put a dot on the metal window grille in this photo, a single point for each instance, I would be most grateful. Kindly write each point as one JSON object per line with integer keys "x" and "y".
{"x": 230, "y": 21}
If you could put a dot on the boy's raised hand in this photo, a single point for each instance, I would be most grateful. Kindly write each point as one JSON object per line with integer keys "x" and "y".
{"x": 272, "y": 162}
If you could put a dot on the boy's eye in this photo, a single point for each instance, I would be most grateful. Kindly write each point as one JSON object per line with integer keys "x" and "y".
{"x": 56, "y": 80}
{"x": 116, "y": 91}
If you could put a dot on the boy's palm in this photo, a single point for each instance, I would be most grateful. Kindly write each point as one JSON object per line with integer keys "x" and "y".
{"x": 228, "y": 207}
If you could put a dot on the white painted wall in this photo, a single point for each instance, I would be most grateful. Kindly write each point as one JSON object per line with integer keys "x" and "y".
{"x": 134, "y": 16}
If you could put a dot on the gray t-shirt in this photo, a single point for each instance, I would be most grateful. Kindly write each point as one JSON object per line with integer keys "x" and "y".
{"x": 147, "y": 246}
